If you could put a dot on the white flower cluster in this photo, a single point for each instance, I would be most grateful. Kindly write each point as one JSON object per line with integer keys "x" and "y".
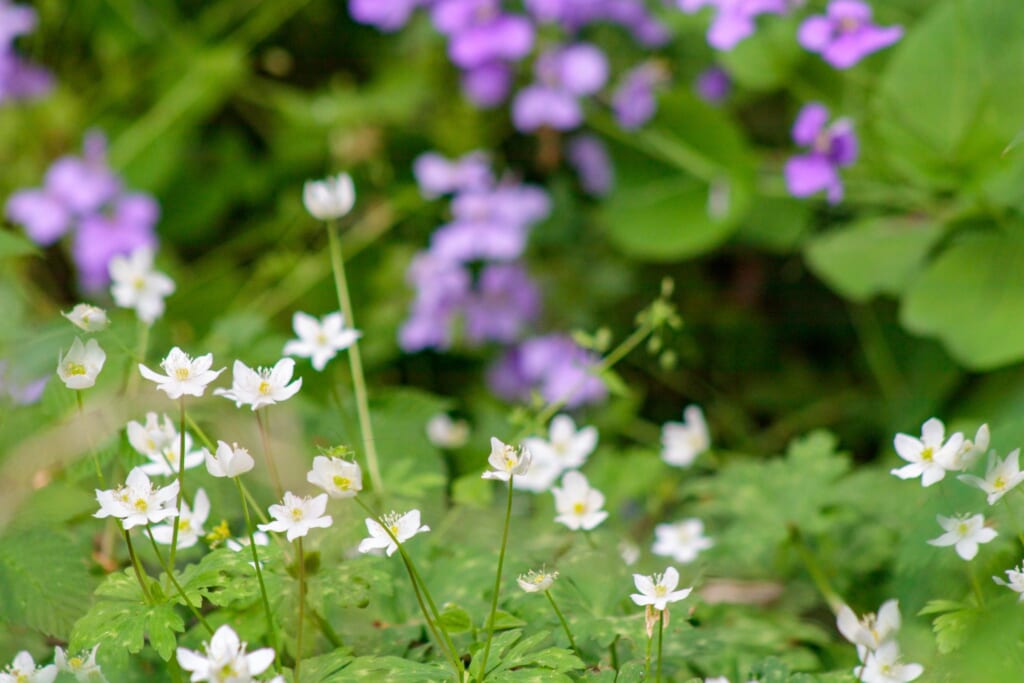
{"x": 82, "y": 666}
{"x": 875, "y": 638}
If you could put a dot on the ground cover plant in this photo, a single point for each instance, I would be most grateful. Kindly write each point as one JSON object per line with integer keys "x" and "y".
{"x": 511, "y": 340}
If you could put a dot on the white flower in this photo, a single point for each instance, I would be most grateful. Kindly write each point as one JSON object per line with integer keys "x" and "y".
{"x": 444, "y": 432}
{"x": 402, "y": 527}
{"x": 134, "y": 284}
{"x": 870, "y": 631}
{"x": 263, "y": 386}
{"x": 930, "y": 456}
{"x": 23, "y": 670}
{"x": 507, "y": 461}
{"x": 224, "y": 659}
{"x": 629, "y": 552}
{"x": 87, "y": 317}
{"x": 161, "y": 443}
{"x": 682, "y": 442}
{"x": 1000, "y": 477}
{"x": 298, "y": 515}
{"x": 190, "y": 523}
{"x": 970, "y": 451}
{"x": 564, "y": 449}
{"x": 883, "y": 666}
{"x": 577, "y": 504}
{"x": 965, "y": 533}
{"x": 536, "y": 581}
{"x": 1015, "y": 582}
{"x": 332, "y": 197}
{"x": 229, "y": 461}
{"x": 339, "y": 478}
{"x": 318, "y": 340}
{"x": 185, "y": 375}
{"x": 84, "y": 667}
{"x": 682, "y": 541}
{"x": 138, "y": 502}
{"x": 79, "y": 367}
{"x": 658, "y": 590}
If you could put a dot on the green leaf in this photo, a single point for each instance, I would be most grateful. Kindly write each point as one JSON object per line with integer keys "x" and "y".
{"x": 391, "y": 669}
{"x": 631, "y": 672}
{"x": 504, "y": 621}
{"x": 873, "y": 256}
{"x": 13, "y": 245}
{"x": 325, "y": 667}
{"x": 765, "y": 60}
{"x": 455, "y": 619}
{"x": 44, "y": 581}
{"x": 970, "y": 297}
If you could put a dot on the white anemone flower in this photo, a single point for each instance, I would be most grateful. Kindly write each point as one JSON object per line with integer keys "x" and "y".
{"x": 444, "y": 432}
{"x": 506, "y": 461}
{"x": 339, "y": 478}
{"x": 658, "y": 590}
{"x": 184, "y": 375}
{"x": 536, "y": 581}
{"x": 82, "y": 666}
{"x": 224, "y": 659}
{"x": 1014, "y": 581}
{"x": 230, "y": 460}
{"x": 871, "y": 631}
{"x": 23, "y": 670}
{"x": 330, "y": 198}
{"x": 884, "y": 666}
{"x": 161, "y": 443}
{"x": 965, "y": 533}
{"x": 297, "y": 515}
{"x": 682, "y": 540}
{"x": 566, "y": 448}
{"x": 402, "y": 527}
{"x": 930, "y": 456}
{"x": 87, "y": 317}
{"x": 134, "y": 284}
{"x": 1000, "y": 477}
{"x": 138, "y": 502}
{"x": 80, "y": 366}
{"x": 971, "y": 450}
{"x": 190, "y": 523}
{"x": 262, "y": 386}
{"x": 320, "y": 340}
{"x": 682, "y": 442}
{"x": 577, "y": 504}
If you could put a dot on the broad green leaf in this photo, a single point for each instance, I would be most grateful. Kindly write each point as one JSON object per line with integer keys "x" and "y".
{"x": 872, "y": 256}
{"x": 325, "y": 667}
{"x": 455, "y": 619}
{"x": 971, "y": 297}
{"x": 392, "y": 669}
{"x": 765, "y": 60}
{"x": 13, "y": 245}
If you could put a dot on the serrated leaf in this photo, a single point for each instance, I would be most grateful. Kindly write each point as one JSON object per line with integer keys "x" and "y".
{"x": 952, "y": 628}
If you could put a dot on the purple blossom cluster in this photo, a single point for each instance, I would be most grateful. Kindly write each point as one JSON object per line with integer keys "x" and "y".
{"x": 19, "y": 78}
{"x": 553, "y": 366}
{"x": 734, "y": 20}
{"x": 470, "y": 273}
{"x": 83, "y": 196}
{"x": 845, "y": 34}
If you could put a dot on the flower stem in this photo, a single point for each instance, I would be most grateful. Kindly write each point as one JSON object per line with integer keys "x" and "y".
{"x": 975, "y": 585}
{"x": 647, "y": 658}
{"x": 661, "y": 633}
{"x": 132, "y": 383}
{"x": 137, "y": 567}
{"x": 95, "y": 453}
{"x": 814, "y": 569}
{"x": 497, "y": 579}
{"x": 271, "y": 631}
{"x": 355, "y": 361}
{"x": 613, "y": 653}
{"x": 181, "y": 480}
{"x": 170, "y": 575}
{"x": 265, "y": 440}
{"x": 565, "y": 625}
{"x": 302, "y": 606}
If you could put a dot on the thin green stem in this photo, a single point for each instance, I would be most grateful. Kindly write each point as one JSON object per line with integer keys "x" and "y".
{"x": 814, "y": 569}
{"x": 497, "y": 579}
{"x": 137, "y": 567}
{"x": 975, "y": 585}
{"x": 95, "y": 453}
{"x": 355, "y": 361}
{"x": 201, "y": 434}
{"x": 253, "y": 502}
{"x": 445, "y": 646}
{"x": 132, "y": 382}
{"x": 271, "y": 631}
{"x": 565, "y": 624}
{"x": 265, "y": 440}
{"x": 181, "y": 480}
{"x": 302, "y": 606}
{"x": 613, "y": 653}
{"x": 647, "y": 658}
{"x": 170, "y": 574}
{"x": 175, "y": 669}
{"x": 661, "y": 634}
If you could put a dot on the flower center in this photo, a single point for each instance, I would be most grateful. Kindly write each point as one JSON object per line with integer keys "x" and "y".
{"x": 579, "y": 508}
{"x": 394, "y": 529}
{"x": 74, "y": 368}
{"x": 139, "y": 283}
{"x": 343, "y": 483}
{"x": 184, "y": 525}
{"x": 296, "y": 514}
{"x": 927, "y": 454}
{"x": 182, "y": 374}
{"x": 321, "y": 339}
{"x": 660, "y": 591}
{"x": 75, "y": 663}
{"x": 264, "y": 387}
{"x": 962, "y": 528}
{"x": 999, "y": 482}
{"x": 141, "y": 504}
{"x": 848, "y": 24}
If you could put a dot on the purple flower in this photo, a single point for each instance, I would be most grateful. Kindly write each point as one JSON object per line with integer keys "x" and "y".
{"x": 563, "y": 76}
{"x": 734, "y": 19}
{"x": 437, "y": 176}
{"x": 19, "y": 79}
{"x": 572, "y": 15}
{"x": 831, "y": 148}
{"x": 442, "y": 288}
{"x": 128, "y": 225}
{"x": 634, "y": 102}
{"x": 386, "y": 15}
{"x": 18, "y": 390}
{"x": 845, "y": 35}
{"x": 589, "y": 157}
{"x": 488, "y": 85}
{"x": 505, "y": 302}
{"x": 713, "y": 85}
{"x": 554, "y": 366}
{"x": 480, "y": 32}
